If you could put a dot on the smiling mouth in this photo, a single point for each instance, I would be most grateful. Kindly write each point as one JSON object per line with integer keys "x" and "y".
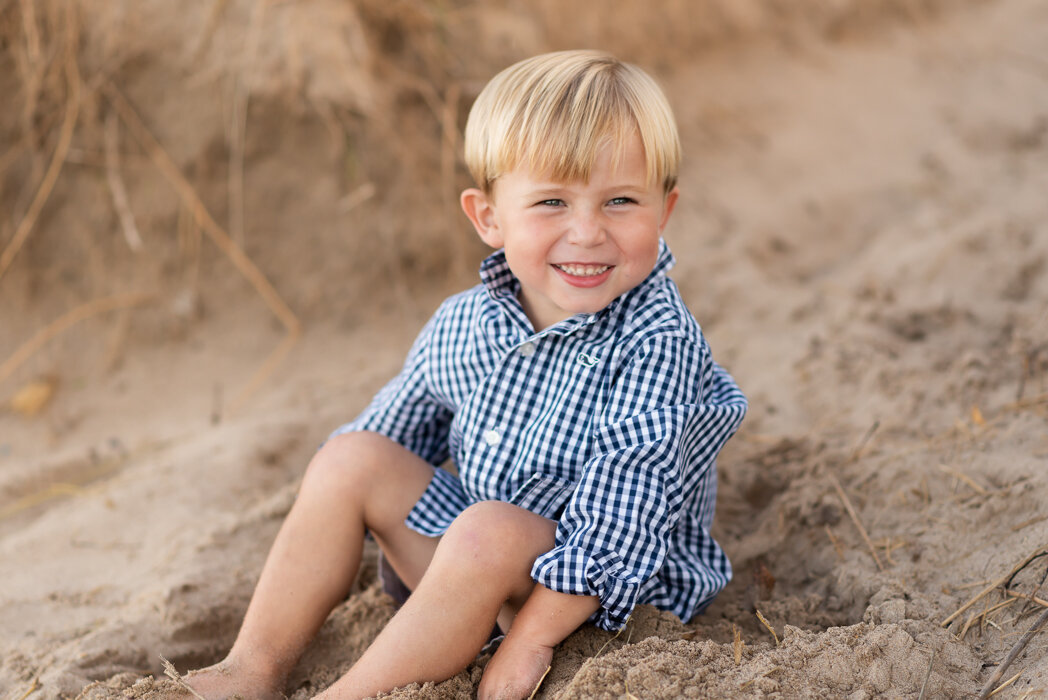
{"x": 583, "y": 270}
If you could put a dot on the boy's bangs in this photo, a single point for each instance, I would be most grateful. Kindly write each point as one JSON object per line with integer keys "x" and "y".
{"x": 554, "y": 114}
{"x": 564, "y": 145}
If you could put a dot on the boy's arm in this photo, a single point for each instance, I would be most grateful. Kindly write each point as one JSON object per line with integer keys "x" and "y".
{"x": 666, "y": 418}
{"x": 525, "y": 654}
{"x": 548, "y": 616}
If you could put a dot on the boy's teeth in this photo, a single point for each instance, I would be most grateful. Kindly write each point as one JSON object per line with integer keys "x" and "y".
{"x": 583, "y": 270}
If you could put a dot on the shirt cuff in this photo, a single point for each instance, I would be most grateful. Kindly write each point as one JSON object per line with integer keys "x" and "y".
{"x": 601, "y": 573}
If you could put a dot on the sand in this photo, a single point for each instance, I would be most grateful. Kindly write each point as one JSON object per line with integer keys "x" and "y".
{"x": 863, "y": 234}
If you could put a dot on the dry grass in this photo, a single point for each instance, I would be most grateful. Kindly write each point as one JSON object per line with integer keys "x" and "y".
{"x": 72, "y": 107}
{"x": 767, "y": 625}
{"x": 1039, "y": 552}
{"x": 369, "y": 67}
{"x": 855, "y": 519}
{"x": 67, "y": 321}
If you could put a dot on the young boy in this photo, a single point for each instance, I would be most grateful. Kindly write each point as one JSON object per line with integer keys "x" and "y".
{"x": 572, "y": 391}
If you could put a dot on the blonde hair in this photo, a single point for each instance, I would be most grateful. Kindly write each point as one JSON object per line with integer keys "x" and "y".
{"x": 554, "y": 112}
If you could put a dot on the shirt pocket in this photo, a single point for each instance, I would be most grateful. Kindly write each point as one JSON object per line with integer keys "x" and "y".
{"x": 544, "y": 495}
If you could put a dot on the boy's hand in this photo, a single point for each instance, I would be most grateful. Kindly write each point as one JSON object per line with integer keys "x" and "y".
{"x": 524, "y": 656}
{"x": 516, "y": 669}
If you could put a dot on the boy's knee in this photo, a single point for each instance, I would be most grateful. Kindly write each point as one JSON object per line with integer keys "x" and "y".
{"x": 345, "y": 461}
{"x": 499, "y": 535}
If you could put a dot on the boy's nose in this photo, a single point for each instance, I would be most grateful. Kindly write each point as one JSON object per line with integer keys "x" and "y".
{"x": 587, "y": 230}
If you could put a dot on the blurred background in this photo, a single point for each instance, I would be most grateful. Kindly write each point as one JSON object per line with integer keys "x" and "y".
{"x": 173, "y": 171}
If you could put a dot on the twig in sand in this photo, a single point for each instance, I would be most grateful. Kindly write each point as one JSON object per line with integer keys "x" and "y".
{"x": 1043, "y": 553}
{"x": 1028, "y": 523}
{"x": 736, "y": 643}
{"x": 616, "y": 636}
{"x": 927, "y": 675}
{"x": 1016, "y": 595}
{"x": 539, "y": 684}
{"x": 963, "y": 477}
{"x": 768, "y": 626}
{"x": 968, "y": 624}
{"x": 218, "y": 236}
{"x": 767, "y": 673}
{"x": 865, "y": 439}
{"x": 1019, "y": 646}
{"x": 855, "y": 519}
{"x": 1000, "y": 606}
{"x": 65, "y": 137}
{"x": 116, "y": 184}
{"x": 1033, "y": 596}
{"x": 32, "y": 689}
{"x": 171, "y": 672}
{"x": 1007, "y": 577}
{"x": 70, "y": 318}
{"x": 890, "y": 547}
{"x": 1004, "y": 685}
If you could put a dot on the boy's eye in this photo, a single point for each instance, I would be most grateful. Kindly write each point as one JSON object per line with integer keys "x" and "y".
{"x": 621, "y": 200}
{"x": 552, "y": 203}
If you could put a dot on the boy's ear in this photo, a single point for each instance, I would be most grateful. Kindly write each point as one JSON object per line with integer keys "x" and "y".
{"x": 667, "y": 207}
{"x": 481, "y": 211}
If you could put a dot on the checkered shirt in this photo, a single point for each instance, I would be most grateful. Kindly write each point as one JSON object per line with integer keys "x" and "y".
{"x": 609, "y": 423}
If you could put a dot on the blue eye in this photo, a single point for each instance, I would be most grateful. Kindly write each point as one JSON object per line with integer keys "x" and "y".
{"x": 621, "y": 200}
{"x": 552, "y": 203}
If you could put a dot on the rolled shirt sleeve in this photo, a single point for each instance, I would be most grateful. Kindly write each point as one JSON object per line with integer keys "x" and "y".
{"x": 667, "y": 415}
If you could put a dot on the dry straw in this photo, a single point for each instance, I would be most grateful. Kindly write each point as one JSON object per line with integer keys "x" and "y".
{"x": 1040, "y": 551}
{"x": 65, "y": 137}
{"x": 539, "y": 684}
{"x": 855, "y": 519}
{"x": 116, "y": 184}
{"x": 66, "y": 321}
{"x": 219, "y": 237}
{"x": 927, "y": 675}
{"x": 768, "y": 626}
{"x": 171, "y": 672}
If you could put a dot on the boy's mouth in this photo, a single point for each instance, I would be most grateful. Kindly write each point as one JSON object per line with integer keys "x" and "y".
{"x": 583, "y": 270}
{"x": 584, "y": 276}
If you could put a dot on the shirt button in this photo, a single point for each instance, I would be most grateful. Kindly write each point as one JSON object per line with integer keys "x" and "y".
{"x": 527, "y": 349}
{"x": 492, "y": 437}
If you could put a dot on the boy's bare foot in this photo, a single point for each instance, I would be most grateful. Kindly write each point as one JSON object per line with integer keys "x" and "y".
{"x": 227, "y": 680}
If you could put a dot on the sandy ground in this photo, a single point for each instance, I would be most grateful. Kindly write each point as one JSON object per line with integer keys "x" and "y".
{"x": 863, "y": 235}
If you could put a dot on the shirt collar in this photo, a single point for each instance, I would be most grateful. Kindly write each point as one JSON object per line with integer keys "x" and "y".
{"x": 502, "y": 287}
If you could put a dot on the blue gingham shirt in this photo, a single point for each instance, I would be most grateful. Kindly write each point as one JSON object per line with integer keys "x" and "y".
{"x": 609, "y": 423}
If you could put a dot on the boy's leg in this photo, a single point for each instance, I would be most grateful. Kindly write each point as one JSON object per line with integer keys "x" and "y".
{"x": 355, "y": 481}
{"x": 482, "y": 564}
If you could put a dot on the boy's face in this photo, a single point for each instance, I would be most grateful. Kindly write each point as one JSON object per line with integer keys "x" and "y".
{"x": 575, "y": 247}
